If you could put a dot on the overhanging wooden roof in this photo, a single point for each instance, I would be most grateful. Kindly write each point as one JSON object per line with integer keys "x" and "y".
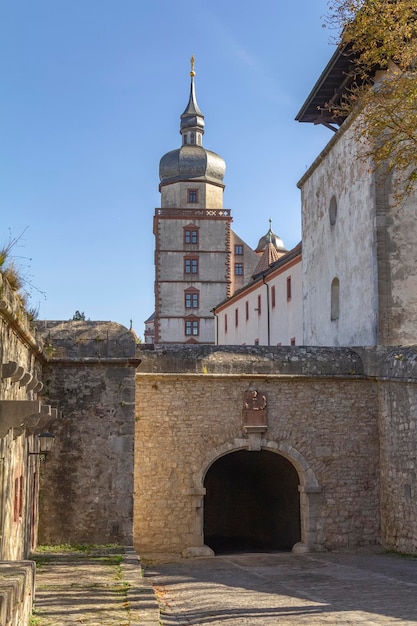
{"x": 333, "y": 82}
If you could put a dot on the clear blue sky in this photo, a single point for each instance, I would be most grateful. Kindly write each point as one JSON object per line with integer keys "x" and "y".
{"x": 92, "y": 92}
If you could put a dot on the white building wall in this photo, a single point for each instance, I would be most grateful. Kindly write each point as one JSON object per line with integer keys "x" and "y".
{"x": 345, "y": 250}
{"x": 285, "y": 318}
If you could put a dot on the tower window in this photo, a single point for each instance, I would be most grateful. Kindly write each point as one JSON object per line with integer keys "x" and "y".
{"x": 236, "y": 317}
{"x": 238, "y": 250}
{"x": 225, "y": 323}
{"x": 191, "y": 265}
{"x": 273, "y": 296}
{"x": 238, "y": 269}
{"x": 192, "y": 327}
{"x": 192, "y": 300}
{"x": 192, "y": 196}
{"x": 191, "y": 236}
{"x": 259, "y": 309}
{"x": 247, "y": 309}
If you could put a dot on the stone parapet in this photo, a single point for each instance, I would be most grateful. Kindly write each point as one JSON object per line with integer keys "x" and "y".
{"x": 315, "y": 361}
{"x": 17, "y": 586}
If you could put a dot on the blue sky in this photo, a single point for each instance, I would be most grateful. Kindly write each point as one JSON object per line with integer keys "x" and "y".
{"x": 92, "y": 92}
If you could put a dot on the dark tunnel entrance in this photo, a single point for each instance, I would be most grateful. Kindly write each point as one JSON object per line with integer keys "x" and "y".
{"x": 252, "y": 503}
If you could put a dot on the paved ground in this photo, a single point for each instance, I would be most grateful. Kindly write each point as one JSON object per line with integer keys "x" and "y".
{"x": 286, "y": 589}
{"x": 98, "y": 587}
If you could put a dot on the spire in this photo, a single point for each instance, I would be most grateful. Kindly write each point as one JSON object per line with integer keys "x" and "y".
{"x": 192, "y": 120}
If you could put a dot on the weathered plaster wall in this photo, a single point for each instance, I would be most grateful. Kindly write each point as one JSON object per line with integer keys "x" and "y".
{"x": 346, "y": 250}
{"x": 396, "y": 232}
{"x": 321, "y": 417}
{"x": 88, "y": 488}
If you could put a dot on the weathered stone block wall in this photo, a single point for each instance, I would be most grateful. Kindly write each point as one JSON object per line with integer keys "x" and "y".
{"x": 87, "y": 491}
{"x": 20, "y": 383}
{"x": 321, "y": 417}
{"x": 398, "y": 441}
{"x": 17, "y": 590}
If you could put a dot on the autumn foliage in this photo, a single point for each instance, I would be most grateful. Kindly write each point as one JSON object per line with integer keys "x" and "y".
{"x": 381, "y": 37}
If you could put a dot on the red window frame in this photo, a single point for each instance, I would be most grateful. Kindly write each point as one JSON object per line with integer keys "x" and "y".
{"x": 191, "y": 265}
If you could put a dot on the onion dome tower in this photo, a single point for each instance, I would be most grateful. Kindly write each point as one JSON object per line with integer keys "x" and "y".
{"x": 192, "y": 236}
{"x": 192, "y": 162}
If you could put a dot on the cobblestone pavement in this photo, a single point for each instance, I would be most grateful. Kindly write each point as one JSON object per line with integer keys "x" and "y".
{"x": 287, "y": 589}
{"x": 101, "y": 587}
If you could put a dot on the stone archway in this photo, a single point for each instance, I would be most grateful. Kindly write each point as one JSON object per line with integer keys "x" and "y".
{"x": 252, "y": 503}
{"x": 310, "y": 492}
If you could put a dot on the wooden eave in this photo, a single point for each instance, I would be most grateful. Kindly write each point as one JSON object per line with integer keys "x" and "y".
{"x": 333, "y": 82}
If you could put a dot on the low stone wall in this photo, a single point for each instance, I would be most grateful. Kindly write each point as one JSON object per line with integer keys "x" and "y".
{"x": 17, "y": 588}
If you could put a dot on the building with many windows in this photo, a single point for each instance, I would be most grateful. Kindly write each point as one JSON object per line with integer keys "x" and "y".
{"x": 199, "y": 260}
{"x": 267, "y": 311}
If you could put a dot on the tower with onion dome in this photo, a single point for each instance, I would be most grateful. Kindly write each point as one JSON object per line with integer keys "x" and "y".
{"x": 192, "y": 236}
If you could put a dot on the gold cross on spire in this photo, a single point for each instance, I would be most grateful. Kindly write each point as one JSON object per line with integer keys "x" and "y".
{"x": 192, "y": 73}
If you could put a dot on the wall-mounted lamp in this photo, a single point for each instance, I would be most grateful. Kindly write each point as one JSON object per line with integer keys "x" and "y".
{"x": 46, "y": 443}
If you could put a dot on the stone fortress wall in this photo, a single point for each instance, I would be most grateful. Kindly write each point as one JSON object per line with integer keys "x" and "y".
{"x": 90, "y": 376}
{"x": 22, "y": 418}
{"x": 326, "y": 413}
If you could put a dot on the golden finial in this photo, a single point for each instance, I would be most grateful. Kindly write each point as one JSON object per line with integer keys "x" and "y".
{"x": 192, "y": 73}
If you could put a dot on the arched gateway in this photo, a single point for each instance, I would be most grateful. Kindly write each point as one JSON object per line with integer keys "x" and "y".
{"x": 252, "y": 503}
{"x": 259, "y": 498}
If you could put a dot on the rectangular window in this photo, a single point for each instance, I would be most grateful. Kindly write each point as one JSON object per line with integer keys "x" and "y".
{"x": 256, "y": 342}
{"x": 259, "y": 309}
{"x": 192, "y": 196}
{"x": 238, "y": 250}
{"x": 191, "y": 300}
{"x": 191, "y": 236}
{"x": 191, "y": 327}
{"x": 293, "y": 341}
{"x": 236, "y": 317}
{"x": 247, "y": 309}
{"x": 190, "y": 266}
{"x": 238, "y": 269}
{"x": 273, "y": 296}
{"x": 289, "y": 288}
{"x": 225, "y": 323}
